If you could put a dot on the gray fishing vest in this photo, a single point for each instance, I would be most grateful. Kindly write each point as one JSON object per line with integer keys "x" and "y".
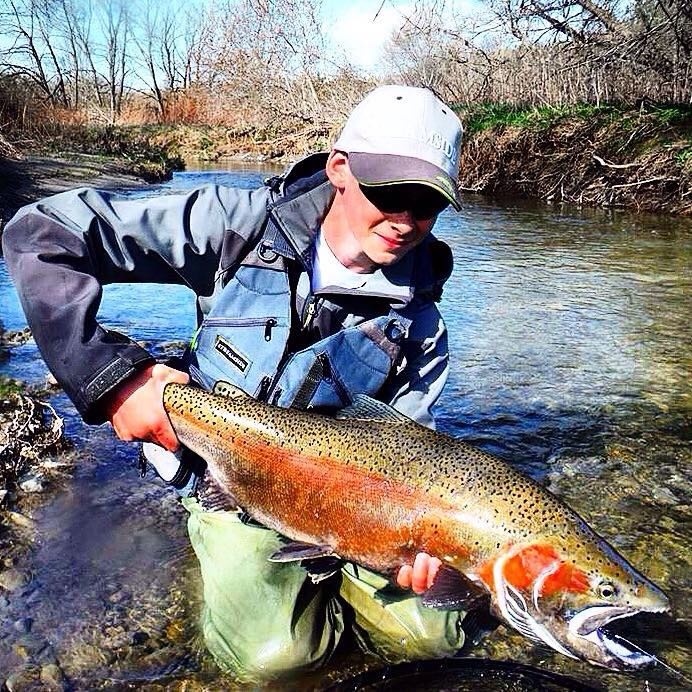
{"x": 244, "y": 339}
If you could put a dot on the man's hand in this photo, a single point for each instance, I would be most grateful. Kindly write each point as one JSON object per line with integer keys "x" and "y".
{"x": 420, "y": 575}
{"x": 135, "y": 407}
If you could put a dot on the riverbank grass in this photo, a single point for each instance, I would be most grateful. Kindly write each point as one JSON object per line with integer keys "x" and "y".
{"x": 134, "y": 146}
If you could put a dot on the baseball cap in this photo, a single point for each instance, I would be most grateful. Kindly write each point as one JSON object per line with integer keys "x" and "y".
{"x": 401, "y": 134}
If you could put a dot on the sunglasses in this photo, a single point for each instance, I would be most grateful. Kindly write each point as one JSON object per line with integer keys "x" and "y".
{"x": 420, "y": 200}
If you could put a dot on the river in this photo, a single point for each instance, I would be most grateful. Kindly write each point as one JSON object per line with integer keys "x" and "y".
{"x": 570, "y": 358}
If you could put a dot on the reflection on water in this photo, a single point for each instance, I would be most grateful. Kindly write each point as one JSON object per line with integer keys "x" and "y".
{"x": 569, "y": 339}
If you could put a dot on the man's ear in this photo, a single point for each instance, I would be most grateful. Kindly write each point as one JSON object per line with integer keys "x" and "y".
{"x": 337, "y": 168}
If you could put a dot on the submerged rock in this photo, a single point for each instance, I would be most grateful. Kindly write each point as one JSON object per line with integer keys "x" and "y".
{"x": 13, "y": 579}
{"x": 23, "y": 679}
{"x": 52, "y": 677}
{"x": 31, "y": 483}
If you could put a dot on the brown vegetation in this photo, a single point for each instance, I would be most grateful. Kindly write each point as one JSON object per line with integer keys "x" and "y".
{"x": 631, "y": 160}
{"x": 260, "y": 78}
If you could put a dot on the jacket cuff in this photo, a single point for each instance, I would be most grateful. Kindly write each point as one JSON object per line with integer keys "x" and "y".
{"x": 89, "y": 398}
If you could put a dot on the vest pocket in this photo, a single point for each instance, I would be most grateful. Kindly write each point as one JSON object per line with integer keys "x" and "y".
{"x": 242, "y": 351}
{"x": 329, "y": 374}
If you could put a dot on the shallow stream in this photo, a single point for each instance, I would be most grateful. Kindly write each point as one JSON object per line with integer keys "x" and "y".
{"x": 570, "y": 342}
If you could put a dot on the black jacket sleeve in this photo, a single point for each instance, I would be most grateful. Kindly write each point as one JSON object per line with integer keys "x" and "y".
{"x": 62, "y": 250}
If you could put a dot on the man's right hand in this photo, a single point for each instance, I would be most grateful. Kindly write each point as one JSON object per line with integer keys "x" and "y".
{"x": 135, "y": 407}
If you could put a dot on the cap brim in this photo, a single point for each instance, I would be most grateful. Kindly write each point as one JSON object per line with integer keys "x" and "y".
{"x": 388, "y": 169}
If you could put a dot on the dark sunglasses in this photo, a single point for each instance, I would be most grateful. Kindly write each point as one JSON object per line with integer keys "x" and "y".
{"x": 420, "y": 200}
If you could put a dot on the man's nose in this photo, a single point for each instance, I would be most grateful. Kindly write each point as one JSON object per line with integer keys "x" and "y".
{"x": 403, "y": 217}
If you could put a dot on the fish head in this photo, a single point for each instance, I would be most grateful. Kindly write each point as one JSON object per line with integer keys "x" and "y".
{"x": 566, "y": 601}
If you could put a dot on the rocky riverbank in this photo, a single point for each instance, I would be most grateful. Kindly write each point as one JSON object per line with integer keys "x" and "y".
{"x": 145, "y": 621}
{"x": 35, "y": 460}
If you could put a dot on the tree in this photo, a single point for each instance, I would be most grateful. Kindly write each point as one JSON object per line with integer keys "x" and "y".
{"x": 31, "y": 50}
{"x": 549, "y": 51}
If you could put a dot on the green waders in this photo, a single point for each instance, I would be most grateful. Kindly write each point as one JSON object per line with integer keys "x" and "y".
{"x": 262, "y": 620}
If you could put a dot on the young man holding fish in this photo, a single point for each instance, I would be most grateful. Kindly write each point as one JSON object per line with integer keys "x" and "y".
{"x": 315, "y": 288}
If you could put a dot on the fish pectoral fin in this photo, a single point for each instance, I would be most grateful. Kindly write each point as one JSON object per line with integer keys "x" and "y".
{"x": 478, "y": 623}
{"x": 452, "y": 590}
{"x": 323, "y": 568}
{"x": 295, "y": 551}
{"x": 367, "y": 408}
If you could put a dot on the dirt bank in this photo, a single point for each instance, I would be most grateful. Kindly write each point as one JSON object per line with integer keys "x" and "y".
{"x": 590, "y": 156}
{"x": 609, "y": 158}
{"x": 24, "y": 180}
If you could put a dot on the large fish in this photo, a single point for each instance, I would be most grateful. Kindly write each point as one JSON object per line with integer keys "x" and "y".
{"x": 373, "y": 487}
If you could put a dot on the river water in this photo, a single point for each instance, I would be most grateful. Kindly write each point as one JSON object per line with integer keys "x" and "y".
{"x": 570, "y": 358}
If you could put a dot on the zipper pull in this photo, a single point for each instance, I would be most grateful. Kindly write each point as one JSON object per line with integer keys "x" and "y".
{"x": 271, "y": 323}
{"x": 310, "y": 310}
{"x": 193, "y": 341}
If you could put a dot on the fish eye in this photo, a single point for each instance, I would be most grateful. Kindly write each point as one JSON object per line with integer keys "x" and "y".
{"x": 606, "y": 590}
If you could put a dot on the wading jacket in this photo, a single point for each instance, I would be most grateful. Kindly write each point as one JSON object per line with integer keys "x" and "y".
{"x": 247, "y": 255}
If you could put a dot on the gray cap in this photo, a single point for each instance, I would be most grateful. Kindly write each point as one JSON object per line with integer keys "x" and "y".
{"x": 400, "y": 134}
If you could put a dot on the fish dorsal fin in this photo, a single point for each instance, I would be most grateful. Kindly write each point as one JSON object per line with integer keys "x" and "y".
{"x": 367, "y": 408}
{"x": 229, "y": 391}
{"x": 451, "y": 590}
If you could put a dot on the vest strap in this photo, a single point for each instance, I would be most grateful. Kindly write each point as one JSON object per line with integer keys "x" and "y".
{"x": 309, "y": 386}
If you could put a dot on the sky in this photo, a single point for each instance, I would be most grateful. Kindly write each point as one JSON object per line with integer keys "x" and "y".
{"x": 362, "y": 27}
{"x": 359, "y": 29}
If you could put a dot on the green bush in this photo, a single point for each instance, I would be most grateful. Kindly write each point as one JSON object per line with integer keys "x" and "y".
{"x": 485, "y": 116}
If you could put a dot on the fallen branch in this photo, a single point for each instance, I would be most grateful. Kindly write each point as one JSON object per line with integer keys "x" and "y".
{"x": 607, "y": 164}
{"x": 644, "y": 182}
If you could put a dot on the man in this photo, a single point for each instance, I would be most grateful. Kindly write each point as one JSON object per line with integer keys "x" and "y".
{"x": 315, "y": 288}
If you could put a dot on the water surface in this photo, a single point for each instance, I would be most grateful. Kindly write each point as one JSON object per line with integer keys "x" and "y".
{"x": 569, "y": 337}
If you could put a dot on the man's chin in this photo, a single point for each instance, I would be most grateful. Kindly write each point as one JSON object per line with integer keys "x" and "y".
{"x": 389, "y": 256}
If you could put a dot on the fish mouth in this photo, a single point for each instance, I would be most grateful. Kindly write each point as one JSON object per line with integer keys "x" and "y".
{"x": 590, "y": 624}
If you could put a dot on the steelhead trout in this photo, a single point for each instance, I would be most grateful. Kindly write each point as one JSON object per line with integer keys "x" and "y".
{"x": 373, "y": 487}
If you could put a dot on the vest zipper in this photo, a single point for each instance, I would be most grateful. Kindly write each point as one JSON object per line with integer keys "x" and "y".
{"x": 331, "y": 377}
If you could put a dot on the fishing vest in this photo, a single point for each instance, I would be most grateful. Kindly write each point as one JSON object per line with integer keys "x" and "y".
{"x": 244, "y": 338}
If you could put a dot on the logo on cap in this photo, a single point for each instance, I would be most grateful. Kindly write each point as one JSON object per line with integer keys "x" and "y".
{"x": 436, "y": 140}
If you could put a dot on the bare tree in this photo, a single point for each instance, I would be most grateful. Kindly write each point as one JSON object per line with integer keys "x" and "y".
{"x": 115, "y": 27}
{"x": 608, "y": 34}
{"x": 549, "y": 51}
{"x": 31, "y": 52}
{"x": 266, "y": 57}
{"x": 165, "y": 38}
